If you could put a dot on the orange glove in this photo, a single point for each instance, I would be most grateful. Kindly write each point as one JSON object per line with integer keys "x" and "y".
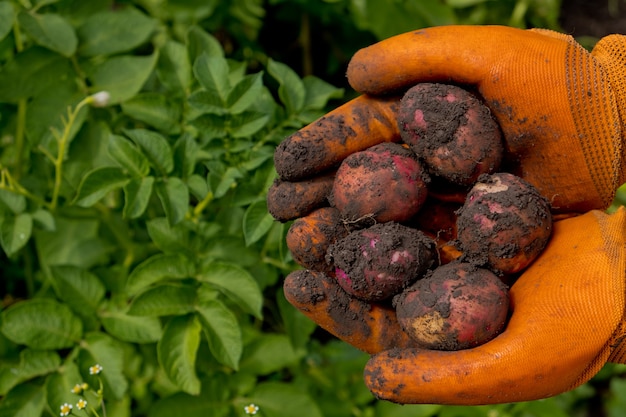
{"x": 563, "y": 112}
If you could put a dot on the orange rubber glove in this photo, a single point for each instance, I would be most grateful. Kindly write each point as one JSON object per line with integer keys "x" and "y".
{"x": 562, "y": 111}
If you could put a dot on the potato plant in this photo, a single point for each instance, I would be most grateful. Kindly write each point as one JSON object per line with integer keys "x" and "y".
{"x": 133, "y": 224}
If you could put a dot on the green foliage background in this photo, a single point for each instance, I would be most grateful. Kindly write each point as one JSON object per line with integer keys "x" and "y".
{"x": 136, "y": 235}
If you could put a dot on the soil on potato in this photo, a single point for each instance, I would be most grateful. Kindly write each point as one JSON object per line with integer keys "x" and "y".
{"x": 435, "y": 136}
{"x": 323, "y": 144}
{"x": 504, "y": 209}
{"x": 299, "y": 155}
{"x": 376, "y": 276}
{"x": 349, "y": 315}
{"x": 383, "y": 183}
{"x": 431, "y": 299}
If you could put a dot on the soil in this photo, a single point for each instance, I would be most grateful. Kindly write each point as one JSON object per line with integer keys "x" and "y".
{"x": 452, "y": 131}
{"x": 584, "y": 18}
{"x": 378, "y": 262}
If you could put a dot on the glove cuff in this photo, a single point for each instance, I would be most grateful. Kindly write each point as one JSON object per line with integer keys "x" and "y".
{"x": 610, "y": 52}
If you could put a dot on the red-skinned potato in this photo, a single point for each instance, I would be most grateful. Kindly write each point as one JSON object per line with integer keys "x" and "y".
{"x": 383, "y": 183}
{"x": 378, "y": 262}
{"x": 451, "y": 130}
{"x": 457, "y": 306}
{"x": 504, "y": 224}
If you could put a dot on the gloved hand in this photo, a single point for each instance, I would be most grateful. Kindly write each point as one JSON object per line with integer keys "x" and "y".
{"x": 562, "y": 111}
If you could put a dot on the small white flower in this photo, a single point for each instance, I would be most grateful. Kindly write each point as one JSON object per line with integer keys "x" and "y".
{"x": 81, "y": 404}
{"x": 95, "y": 369}
{"x": 100, "y": 99}
{"x": 251, "y": 409}
{"x": 66, "y": 409}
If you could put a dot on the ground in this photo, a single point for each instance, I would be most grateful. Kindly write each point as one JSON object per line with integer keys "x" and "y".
{"x": 582, "y": 18}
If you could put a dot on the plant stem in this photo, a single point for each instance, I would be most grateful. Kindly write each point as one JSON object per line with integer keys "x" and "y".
{"x": 21, "y": 109}
{"x": 20, "y": 128}
{"x": 202, "y": 205}
{"x": 63, "y": 141}
{"x": 11, "y": 184}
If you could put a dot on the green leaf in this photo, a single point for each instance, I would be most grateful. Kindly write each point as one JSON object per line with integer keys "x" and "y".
{"x": 109, "y": 353}
{"x": 256, "y": 222}
{"x": 268, "y": 354}
{"x": 79, "y": 288}
{"x": 98, "y": 183}
{"x": 132, "y": 329}
{"x": 177, "y": 352}
{"x": 221, "y": 183}
{"x": 292, "y": 92}
{"x": 297, "y": 326}
{"x": 174, "y": 196}
{"x": 25, "y": 400}
{"x": 201, "y": 42}
{"x": 44, "y": 219}
{"x": 155, "y": 147}
{"x": 32, "y": 72}
{"x": 185, "y": 156}
{"x": 207, "y": 102}
{"x": 245, "y": 93}
{"x": 123, "y": 76}
{"x": 170, "y": 239}
{"x": 318, "y": 92}
{"x": 7, "y": 17}
{"x": 41, "y": 323}
{"x": 174, "y": 68}
{"x": 15, "y": 231}
{"x": 59, "y": 385}
{"x": 247, "y": 123}
{"x": 236, "y": 283}
{"x": 158, "y": 268}
{"x": 47, "y": 111}
{"x": 128, "y": 156}
{"x": 210, "y": 125}
{"x": 114, "y": 31}
{"x": 156, "y": 109}
{"x": 32, "y": 363}
{"x": 137, "y": 196}
{"x": 389, "y": 409}
{"x": 212, "y": 73}
{"x": 222, "y": 331}
{"x": 280, "y": 399}
{"x": 181, "y": 404}
{"x": 164, "y": 300}
{"x": 74, "y": 241}
{"x": 13, "y": 201}
{"x": 50, "y": 31}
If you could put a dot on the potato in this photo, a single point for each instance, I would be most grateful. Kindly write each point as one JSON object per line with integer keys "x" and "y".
{"x": 504, "y": 224}
{"x": 383, "y": 183}
{"x": 452, "y": 131}
{"x": 457, "y": 306}
{"x": 376, "y": 263}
